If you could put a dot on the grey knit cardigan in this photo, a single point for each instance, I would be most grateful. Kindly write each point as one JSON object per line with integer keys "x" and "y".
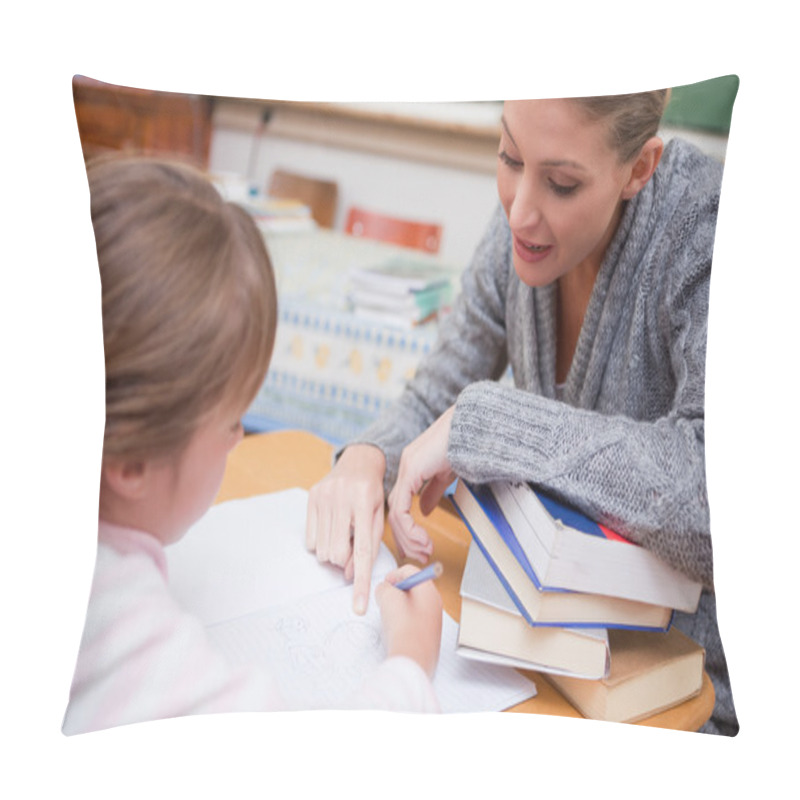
{"x": 625, "y": 443}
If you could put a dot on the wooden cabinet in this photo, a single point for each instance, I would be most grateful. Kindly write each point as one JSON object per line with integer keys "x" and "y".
{"x": 142, "y": 121}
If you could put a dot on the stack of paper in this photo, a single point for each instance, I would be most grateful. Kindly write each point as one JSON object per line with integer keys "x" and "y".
{"x": 245, "y": 572}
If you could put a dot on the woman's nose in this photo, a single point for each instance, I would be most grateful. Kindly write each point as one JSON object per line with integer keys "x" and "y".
{"x": 525, "y": 212}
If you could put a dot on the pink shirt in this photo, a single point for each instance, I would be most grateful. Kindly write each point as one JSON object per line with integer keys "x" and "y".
{"x": 142, "y": 657}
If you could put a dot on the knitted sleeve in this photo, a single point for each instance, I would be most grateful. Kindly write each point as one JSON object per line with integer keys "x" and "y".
{"x": 643, "y": 477}
{"x": 646, "y": 480}
{"x": 471, "y": 347}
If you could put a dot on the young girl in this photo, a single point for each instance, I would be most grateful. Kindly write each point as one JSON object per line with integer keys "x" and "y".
{"x": 592, "y": 283}
{"x": 189, "y": 315}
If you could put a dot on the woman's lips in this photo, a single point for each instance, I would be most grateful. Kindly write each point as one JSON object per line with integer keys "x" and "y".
{"x": 531, "y": 252}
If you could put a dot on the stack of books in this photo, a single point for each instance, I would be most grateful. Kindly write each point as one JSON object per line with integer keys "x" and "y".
{"x": 547, "y": 589}
{"x": 401, "y": 291}
{"x": 273, "y": 214}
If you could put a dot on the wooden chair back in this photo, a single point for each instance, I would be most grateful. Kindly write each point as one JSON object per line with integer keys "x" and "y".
{"x": 319, "y": 195}
{"x": 419, "y": 235}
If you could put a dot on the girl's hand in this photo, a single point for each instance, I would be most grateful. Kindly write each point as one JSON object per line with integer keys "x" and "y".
{"x": 344, "y": 524}
{"x": 424, "y": 470}
{"x": 412, "y": 620}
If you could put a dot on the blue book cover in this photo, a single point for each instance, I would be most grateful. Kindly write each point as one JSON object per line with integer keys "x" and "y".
{"x": 573, "y": 518}
{"x": 569, "y": 516}
{"x": 483, "y": 494}
{"x": 517, "y": 602}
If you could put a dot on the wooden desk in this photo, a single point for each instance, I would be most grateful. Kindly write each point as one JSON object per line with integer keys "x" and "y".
{"x": 271, "y": 462}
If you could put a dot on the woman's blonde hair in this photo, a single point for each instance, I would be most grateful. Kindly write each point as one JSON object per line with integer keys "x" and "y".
{"x": 632, "y": 118}
{"x": 188, "y": 303}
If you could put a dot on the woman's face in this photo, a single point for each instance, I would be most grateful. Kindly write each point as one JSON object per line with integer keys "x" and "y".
{"x": 562, "y": 188}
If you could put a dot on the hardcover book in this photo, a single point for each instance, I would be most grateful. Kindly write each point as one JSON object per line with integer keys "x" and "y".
{"x": 492, "y": 625}
{"x": 537, "y": 604}
{"x": 568, "y": 550}
{"x": 650, "y": 672}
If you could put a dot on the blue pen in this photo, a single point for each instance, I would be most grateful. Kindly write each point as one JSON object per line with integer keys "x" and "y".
{"x": 433, "y": 570}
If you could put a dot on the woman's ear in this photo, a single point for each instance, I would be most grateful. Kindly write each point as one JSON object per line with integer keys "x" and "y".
{"x": 643, "y": 167}
{"x": 126, "y": 478}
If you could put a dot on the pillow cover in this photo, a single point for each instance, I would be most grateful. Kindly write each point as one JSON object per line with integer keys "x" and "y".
{"x": 182, "y": 126}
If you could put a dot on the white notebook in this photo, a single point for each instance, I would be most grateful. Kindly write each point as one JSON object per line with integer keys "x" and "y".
{"x": 244, "y": 571}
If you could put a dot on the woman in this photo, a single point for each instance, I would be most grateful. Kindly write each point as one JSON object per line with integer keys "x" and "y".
{"x": 592, "y": 283}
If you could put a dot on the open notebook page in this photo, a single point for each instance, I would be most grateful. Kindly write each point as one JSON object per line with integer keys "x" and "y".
{"x": 245, "y": 572}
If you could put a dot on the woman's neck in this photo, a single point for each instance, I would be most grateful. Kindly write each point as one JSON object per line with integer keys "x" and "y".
{"x": 574, "y": 291}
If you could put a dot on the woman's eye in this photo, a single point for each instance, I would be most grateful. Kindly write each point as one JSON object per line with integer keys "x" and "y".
{"x": 508, "y": 161}
{"x": 561, "y": 189}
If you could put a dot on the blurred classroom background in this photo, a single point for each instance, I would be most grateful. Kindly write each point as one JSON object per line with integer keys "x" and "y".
{"x": 340, "y": 187}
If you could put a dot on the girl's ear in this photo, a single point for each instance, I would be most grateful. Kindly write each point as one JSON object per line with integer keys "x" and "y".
{"x": 126, "y": 478}
{"x": 643, "y": 167}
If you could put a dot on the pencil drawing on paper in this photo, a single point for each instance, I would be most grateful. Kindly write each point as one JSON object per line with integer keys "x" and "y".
{"x": 317, "y": 653}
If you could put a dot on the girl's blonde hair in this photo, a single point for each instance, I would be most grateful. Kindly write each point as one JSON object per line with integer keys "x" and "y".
{"x": 632, "y": 118}
{"x": 188, "y": 303}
